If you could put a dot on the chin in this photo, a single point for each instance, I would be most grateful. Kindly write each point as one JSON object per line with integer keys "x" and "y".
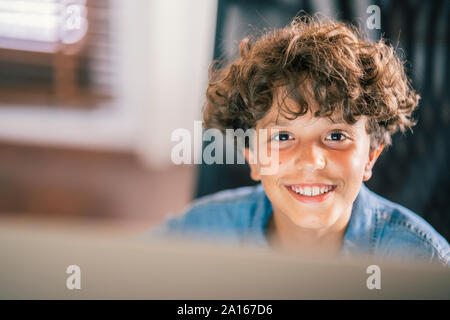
{"x": 314, "y": 221}
{"x": 311, "y": 223}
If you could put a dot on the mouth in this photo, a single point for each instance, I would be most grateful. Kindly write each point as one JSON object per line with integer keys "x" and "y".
{"x": 311, "y": 192}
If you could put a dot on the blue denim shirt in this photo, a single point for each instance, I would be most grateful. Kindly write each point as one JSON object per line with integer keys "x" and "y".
{"x": 377, "y": 226}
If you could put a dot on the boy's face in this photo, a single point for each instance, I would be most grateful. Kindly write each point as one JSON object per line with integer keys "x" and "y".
{"x": 321, "y": 166}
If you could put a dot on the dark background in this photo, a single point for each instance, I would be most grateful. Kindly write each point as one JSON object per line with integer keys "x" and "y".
{"x": 414, "y": 171}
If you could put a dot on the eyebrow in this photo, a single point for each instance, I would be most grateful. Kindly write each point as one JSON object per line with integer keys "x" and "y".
{"x": 281, "y": 123}
{"x": 337, "y": 121}
{"x": 287, "y": 122}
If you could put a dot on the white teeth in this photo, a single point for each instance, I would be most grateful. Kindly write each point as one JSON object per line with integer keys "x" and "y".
{"x": 308, "y": 191}
{"x": 315, "y": 191}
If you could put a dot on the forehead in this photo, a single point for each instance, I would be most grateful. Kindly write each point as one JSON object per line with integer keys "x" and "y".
{"x": 277, "y": 118}
{"x": 278, "y": 115}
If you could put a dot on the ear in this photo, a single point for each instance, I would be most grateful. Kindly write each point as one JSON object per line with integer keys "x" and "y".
{"x": 254, "y": 169}
{"x": 373, "y": 156}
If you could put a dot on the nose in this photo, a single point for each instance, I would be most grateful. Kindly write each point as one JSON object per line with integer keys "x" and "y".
{"x": 309, "y": 156}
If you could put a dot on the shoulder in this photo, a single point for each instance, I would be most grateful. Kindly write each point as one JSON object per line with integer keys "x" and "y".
{"x": 401, "y": 233}
{"x": 229, "y": 212}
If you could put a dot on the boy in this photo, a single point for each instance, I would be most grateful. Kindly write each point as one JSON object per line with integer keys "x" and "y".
{"x": 328, "y": 100}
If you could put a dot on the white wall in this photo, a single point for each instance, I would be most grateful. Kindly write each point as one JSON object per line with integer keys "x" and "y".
{"x": 169, "y": 47}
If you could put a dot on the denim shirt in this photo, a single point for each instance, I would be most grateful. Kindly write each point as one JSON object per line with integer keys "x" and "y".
{"x": 377, "y": 226}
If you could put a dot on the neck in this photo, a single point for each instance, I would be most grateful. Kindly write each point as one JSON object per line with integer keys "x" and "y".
{"x": 283, "y": 234}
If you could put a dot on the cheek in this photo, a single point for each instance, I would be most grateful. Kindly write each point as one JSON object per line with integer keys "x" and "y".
{"x": 351, "y": 158}
{"x": 349, "y": 162}
{"x": 270, "y": 186}
{"x": 285, "y": 155}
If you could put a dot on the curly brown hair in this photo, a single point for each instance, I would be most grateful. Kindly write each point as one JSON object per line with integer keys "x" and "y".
{"x": 350, "y": 75}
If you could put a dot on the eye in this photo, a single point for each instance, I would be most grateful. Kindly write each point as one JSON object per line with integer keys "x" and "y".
{"x": 282, "y": 137}
{"x": 336, "y": 136}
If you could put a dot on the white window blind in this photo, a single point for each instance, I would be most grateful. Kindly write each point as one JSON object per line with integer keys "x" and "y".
{"x": 56, "y": 52}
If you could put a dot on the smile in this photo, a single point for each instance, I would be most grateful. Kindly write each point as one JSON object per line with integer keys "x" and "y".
{"x": 311, "y": 192}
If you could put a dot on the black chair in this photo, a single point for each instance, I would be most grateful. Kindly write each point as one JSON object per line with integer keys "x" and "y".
{"x": 414, "y": 171}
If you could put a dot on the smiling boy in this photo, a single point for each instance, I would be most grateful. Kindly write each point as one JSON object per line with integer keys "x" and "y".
{"x": 330, "y": 101}
{"x": 322, "y": 162}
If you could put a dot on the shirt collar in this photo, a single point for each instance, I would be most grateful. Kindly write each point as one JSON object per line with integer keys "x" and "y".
{"x": 359, "y": 234}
